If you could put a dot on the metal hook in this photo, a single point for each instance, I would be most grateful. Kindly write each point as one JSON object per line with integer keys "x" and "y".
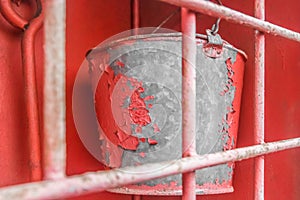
{"x": 14, "y": 18}
{"x": 215, "y": 27}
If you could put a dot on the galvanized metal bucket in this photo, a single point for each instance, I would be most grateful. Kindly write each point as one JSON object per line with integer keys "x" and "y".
{"x": 137, "y": 83}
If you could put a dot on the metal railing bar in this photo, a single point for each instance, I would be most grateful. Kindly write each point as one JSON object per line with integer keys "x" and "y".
{"x": 259, "y": 101}
{"x": 189, "y": 48}
{"x": 54, "y": 90}
{"x": 103, "y": 180}
{"x": 228, "y": 14}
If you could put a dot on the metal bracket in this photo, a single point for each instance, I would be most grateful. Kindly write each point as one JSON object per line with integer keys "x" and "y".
{"x": 214, "y": 46}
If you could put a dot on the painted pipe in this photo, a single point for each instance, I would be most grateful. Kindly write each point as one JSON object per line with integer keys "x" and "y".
{"x": 30, "y": 85}
{"x": 188, "y": 28}
{"x": 54, "y": 90}
{"x": 31, "y": 98}
{"x": 102, "y": 180}
{"x": 259, "y": 100}
{"x": 11, "y": 16}
{"x": 135, "y": 10}
{"x": 228, "y": 14}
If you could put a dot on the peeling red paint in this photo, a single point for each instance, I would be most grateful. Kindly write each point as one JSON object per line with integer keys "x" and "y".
{"x": 156, "y": 128}
{"x": 235, "y": 77}
{"x": 137, "y": 108}
{"x": 217, "y": 184}
{"x": 142, "y": 139}
{"x": 120, "y": 64}
{"x": 142, "y": 154}
{"x": 136, "y": 113}
{"x": 152, "y": 141}
{"x": 138, "y": 129}
{"x": 105, "y": 88}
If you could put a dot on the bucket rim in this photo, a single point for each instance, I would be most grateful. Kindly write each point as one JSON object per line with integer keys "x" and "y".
{"x": 157, "y": 36}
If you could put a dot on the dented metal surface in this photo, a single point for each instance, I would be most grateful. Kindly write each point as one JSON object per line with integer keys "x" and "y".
{"x": 156, "y": 64}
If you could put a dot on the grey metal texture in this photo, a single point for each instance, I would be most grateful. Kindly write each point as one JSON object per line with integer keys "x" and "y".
{"x": 157, "y": 63}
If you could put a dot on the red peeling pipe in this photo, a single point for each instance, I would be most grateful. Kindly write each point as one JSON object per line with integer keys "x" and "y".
{"x": 31, "y": 99}
{"x": 259, "y": 100}
{"x": 11, "y": 16}
{"x": 102, "y": 180}
{"x": 188, "y": 26}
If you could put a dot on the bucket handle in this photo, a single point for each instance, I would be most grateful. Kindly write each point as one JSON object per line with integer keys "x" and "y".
{"x": 214, "y": 46}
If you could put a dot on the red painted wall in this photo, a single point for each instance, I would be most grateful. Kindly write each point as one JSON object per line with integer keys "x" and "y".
{"x": 91, "y": 21}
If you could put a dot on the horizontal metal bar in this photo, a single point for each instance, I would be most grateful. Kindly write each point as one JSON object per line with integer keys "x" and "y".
{"x": 228, "y": 14}
{"x": 102, "y": 180}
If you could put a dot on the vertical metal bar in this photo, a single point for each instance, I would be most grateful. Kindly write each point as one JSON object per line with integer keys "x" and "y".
{"x": 135, "y": 23}
{"x": 54, "y": 90}
{"x": 188, "y": 26}
{"x": 31, "y": 98}
{"x": 259, "y": 102}
{"x": 137, "y": 197}
{"x": 135, "y": 13}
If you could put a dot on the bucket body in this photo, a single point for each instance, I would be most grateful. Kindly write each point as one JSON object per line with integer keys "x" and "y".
{"x": 137, "y": 87}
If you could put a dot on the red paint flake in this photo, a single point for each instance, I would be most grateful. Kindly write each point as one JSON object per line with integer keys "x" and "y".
{"x": 137, "y": 108}
{"x": 156, "y": 129}
{"x": 233, "y": 111}
{"x": 127, "y": 141}
{"x": 105, "y": 88}
{"x": 150, "y": 105}
{"x": 143, "y": 139}
{"x": 138, "y": 129}
{"x": 120, "y": 64}
{"x": 217, "y": 184}
{"x": 142, "y": 154}
{"x": 230, "y": 75}
{"x": 152, "y": 141}
{"x": 148, "y": 98}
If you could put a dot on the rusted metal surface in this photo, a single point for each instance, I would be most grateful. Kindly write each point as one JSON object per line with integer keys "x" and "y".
{"x": 99, "y": 181}
{"x": 228, "y": 14}
{"x": 54, "y": 90}
{"x": 30, "y": 86}
{"x": 11, "y": 16}
{"x": 31, "y": 99}
{"x": 259, "y": 100}
{"x": 189, "y": 49}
